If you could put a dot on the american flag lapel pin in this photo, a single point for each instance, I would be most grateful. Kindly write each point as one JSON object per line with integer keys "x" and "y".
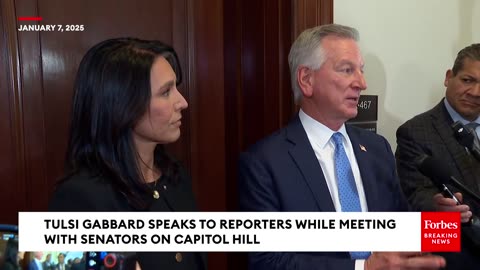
{"x": 363, "y": 148}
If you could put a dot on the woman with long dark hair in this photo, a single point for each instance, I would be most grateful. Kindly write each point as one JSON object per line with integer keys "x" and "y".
{"x": 126, "y": 106}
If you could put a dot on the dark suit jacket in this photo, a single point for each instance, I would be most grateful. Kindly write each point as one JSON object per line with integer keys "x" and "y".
{"x": 65, "y": 267}
{"x": 47, "y": 266}
{"x": 33, "y": 266}
{"x": 87, "y": 192}
{"x": 431, "y": 133}
{"x": 282, "y": 173}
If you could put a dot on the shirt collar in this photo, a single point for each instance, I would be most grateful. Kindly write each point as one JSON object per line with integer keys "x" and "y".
{"x": 455, "y": 115}
{"x": 317, "y": 131}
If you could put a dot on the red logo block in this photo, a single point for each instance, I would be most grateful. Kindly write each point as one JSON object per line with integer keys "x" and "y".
{"x": 441, "y": 232}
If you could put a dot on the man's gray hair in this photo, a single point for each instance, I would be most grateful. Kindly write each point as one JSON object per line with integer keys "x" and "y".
{"x": 307, "y": 50}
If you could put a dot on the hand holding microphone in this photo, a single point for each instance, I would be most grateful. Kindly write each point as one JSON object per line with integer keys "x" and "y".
{"x": 449, "y": 204}
{"x": 445, "y": 201}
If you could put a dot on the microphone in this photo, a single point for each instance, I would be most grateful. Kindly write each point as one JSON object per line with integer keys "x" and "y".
{"x": 438, "y": 172}
{"x": 467, "y": 138}
{"x": 439, "y": 175}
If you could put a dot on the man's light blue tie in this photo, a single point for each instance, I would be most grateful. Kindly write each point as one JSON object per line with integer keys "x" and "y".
{"x": 347, "y": 189}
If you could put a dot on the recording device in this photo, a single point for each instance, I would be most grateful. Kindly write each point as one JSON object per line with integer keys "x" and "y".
{"x": 111, "y": 261}
{"x": 467, "y": 138}
{"x": 438, "y": 172}
{"x": 439, "y": 176}
{"x": 7, "y": 232}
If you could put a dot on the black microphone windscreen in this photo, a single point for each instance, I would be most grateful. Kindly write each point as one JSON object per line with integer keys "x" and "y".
{"x": 435, "y": 169}
{"x": 464, "y": 135}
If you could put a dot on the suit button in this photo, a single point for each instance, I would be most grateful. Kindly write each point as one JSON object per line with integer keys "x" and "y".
{"x": 178, "y": 257}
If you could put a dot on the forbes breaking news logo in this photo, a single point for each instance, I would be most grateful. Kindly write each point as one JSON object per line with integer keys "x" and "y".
{"x": 441, "y": 232}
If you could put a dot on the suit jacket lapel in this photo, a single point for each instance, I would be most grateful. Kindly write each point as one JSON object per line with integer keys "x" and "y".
{"x": 366, "y": 170}
{"x": 304, "y": 157}
{"x": 442, "y": 123}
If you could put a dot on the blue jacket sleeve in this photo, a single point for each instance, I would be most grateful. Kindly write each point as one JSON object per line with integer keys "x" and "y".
{"x": 258, "y": 193}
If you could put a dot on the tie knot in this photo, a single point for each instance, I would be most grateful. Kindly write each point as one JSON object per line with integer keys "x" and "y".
{"x": 337, "y": 138}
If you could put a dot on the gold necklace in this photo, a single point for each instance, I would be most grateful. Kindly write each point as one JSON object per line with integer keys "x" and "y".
{"x": 156, "y": 195}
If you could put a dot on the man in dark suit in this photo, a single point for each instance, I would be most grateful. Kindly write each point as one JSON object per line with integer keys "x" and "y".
{"x": 430, "y": 133}
{"x": 61, "y": 265}
{"x": 36, "y": 263}
{"x": 47, "y": 264}
{"x": 317, "y": 163}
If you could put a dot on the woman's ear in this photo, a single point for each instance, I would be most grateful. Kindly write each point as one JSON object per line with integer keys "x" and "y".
{"x": 304, "y": 80}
